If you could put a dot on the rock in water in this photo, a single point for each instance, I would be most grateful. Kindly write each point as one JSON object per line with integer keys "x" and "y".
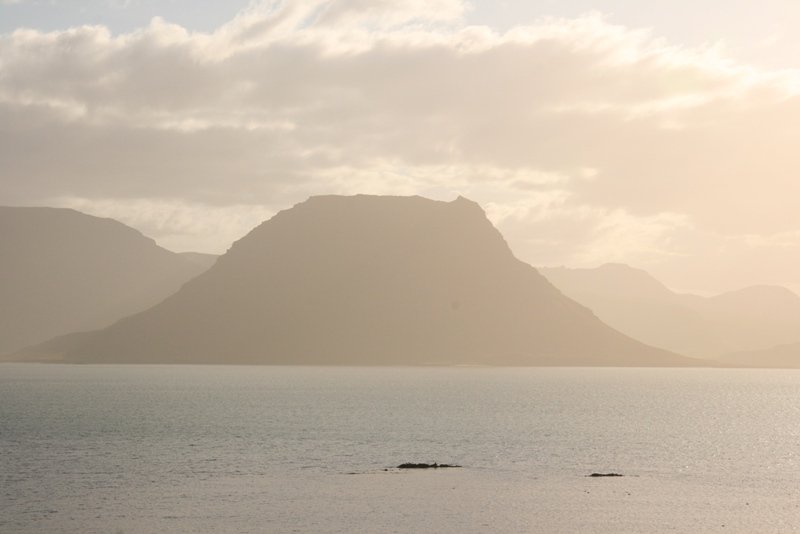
{"x": 367, "y": 280}
{"x": 434, "y": 465}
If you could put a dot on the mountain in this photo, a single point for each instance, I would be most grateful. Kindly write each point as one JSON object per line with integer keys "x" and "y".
{"x": 781, "y": 356}
{"x": 198, "y": 258}
{"x": 63, "y": 271}
{"x": 637, "y": 304}
{"x": 368, "y": 280}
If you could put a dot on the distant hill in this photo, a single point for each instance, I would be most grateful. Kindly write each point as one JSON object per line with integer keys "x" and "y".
{"x": 63, "y": 271}
{"x": 781, "y": 356}
{"x": 637, "y": 304}
{"x": 368, "y": 281}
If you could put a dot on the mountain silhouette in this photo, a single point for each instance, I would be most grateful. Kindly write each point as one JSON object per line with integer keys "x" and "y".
{"x": 635, "y": 303}
{"x": 63, "y": 271}
{"x": 204, "y": 261}
{"x": 368, "y": 280}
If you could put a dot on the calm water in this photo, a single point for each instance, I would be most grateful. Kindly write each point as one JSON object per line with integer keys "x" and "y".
{"x": 276, "y": 449}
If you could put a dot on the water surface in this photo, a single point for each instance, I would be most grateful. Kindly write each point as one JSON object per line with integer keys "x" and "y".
{"x": 303, "y": 449}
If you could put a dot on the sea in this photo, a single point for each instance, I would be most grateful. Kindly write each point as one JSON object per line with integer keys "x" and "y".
{"x": 238, "y": 449}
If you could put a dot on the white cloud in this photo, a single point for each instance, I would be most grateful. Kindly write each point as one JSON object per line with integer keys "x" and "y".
{"x": 586, "y": 141}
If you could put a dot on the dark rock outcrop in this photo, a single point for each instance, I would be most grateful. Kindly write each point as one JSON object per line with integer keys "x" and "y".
{"x": 434, "y": 465}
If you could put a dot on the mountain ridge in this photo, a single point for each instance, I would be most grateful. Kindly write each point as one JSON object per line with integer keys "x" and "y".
{"x": 751, "y": 318}
{"x": 370, "y": 280}
{"x": 66, "y": 271}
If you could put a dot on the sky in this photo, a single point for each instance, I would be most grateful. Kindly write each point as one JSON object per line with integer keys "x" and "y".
{"x": 658, "y": 134}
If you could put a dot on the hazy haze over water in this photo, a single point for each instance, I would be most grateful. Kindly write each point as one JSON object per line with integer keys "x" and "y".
{"x": 269, "y": 449}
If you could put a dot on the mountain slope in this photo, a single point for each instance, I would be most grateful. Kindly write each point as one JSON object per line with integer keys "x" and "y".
{"x": 781, "y": 356}
{"x": 635, "y": 303}
{"x": 203, "y": 260}
{"x": 63, "y": 271}
{"x": 375, "y": 281}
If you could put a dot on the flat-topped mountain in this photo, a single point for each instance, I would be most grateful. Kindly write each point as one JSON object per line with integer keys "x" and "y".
{"x": 637, "y": 304}
{"x": 63, "y": 271}
{"x": 368, "y": 280}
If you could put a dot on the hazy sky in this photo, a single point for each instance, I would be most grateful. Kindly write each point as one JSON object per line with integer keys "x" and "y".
{"x": 661, "y": 134}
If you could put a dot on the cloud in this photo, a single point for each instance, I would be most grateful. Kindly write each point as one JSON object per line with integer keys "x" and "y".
{"x": 586, "y": 140}
{"x": 175, "y": 223}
